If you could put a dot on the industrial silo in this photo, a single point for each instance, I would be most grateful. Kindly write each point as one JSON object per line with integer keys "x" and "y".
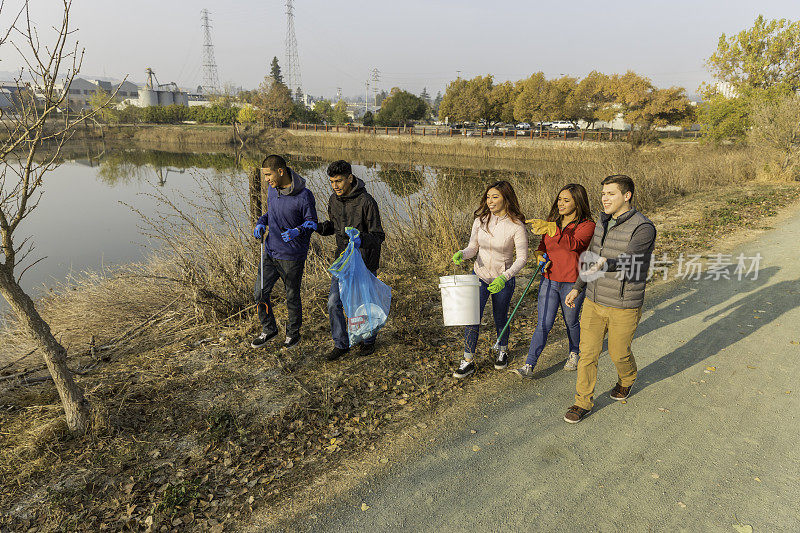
{"x": 148, "y": 97}
{"x": 181, "y": 98}
{"x": 165, "y": 98}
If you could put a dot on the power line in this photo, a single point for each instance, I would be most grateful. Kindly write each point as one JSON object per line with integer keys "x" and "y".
{"x": 210, "y": 77}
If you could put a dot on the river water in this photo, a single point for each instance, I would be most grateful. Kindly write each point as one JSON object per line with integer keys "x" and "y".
{"x": 90, "y": 215}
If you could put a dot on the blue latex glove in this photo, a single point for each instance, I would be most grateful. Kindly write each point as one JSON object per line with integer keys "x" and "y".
{"x": 290, "y": 234}
{"x": 309, "y": 225}
{"x": 258, "y": 233}
{"x": 354, "y": 235}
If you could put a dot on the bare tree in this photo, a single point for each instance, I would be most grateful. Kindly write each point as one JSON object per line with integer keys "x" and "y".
{"x": 36, "y": 126}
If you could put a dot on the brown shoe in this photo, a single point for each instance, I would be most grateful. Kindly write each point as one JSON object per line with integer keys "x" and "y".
{"x": 620, "y": 393}
{"x": 575, "y": 414}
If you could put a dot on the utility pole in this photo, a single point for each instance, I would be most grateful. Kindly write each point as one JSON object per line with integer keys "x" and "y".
{"x": 376, "y": 78}
{"x": 292, "y": 64}
{"x": 210, "y": 77}
{"x": 366, "y": 96}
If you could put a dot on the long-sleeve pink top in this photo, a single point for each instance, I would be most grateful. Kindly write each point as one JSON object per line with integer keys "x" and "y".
{"x": 495, "y": 244}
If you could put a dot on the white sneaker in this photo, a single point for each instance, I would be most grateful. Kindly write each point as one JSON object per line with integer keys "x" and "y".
{"x": 466, "y": 368}
{"x": 572, "y": 361}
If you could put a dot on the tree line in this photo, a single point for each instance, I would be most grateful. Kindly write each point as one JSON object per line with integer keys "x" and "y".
{"x": 597, "y": 97}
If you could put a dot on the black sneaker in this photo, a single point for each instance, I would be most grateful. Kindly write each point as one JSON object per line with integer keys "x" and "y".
{"x": 290, "y": 341}
{"x": 502, "y": 360}
{"x": 466, "y": 368}
{"x": 262, "y": 339}
{"x": 336, "y": 353}
{"x": 366, "y": 349}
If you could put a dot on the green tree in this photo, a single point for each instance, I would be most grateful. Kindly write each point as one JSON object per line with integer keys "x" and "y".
{"x": 425, "y": 96}
{"x": 400, "y": 108}
{"x": 776, "y": 130}
{"x": 380, "y": 97}
{"x": 534, "y": 103}
{"x": 502, "y": 99}
{"x": 368, "y": 119}
{"x": 324, "y": 110}
{"x": 274, "y": 102}
{"x": 765, "y": 55}
{"x": 102, "y": 105}
{"x": 247, "y": 114}
{"x": 304, "y": 115}
{"x": 339, "y": 114}
{"x": 275, "y": 71}
{"x": 436, "y": 102}
{"x": 469, "y": 100}
{"x": 597, "y": 93}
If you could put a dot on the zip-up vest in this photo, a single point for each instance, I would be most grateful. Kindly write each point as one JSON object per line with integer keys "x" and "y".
{"x": 628, "y": 292}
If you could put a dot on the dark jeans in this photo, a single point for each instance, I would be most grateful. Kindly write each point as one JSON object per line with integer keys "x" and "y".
{"x": 338, "y": 321}
{"x": 291, "y": 273}
{"x": 500, "y": 304}
{"x": 551, "y": 297}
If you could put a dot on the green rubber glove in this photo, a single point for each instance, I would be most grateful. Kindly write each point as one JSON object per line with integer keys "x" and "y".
{"x": 497, "y": 285}
{"x": 458, "y": 257}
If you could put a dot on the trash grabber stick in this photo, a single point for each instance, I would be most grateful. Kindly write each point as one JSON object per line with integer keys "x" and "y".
{"x": 508, "y": 322}
{"x": 261, "y": 274}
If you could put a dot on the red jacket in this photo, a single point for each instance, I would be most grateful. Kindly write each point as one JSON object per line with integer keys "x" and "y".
{"x": 564, "y": 249}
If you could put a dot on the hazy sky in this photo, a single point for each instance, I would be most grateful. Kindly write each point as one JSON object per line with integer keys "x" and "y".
{"x": 414, "y": 43}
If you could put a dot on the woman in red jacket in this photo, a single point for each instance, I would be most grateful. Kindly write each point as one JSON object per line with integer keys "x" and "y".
{"x": 566, "y": 234}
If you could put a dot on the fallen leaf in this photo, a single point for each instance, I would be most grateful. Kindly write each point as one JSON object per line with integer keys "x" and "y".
{"x": 476, "y": 448}
{"x": 751, "y": 367}
{"x": 794, "y": 342}
{"x": 788, "y": 392}
{"x": 757, "y": 479}
{"x": 384, "y": 460}
{"x": 364, "y": 506}
{"x": 654, "y": 475}
{"x": 663, "y": 410}
{"x": 472, "y": 431}
{"x": 623, "y": 401}
{"x": 711, "y": 368}
{"x": 743, "y": 528}
{"x": 682, "y": 505}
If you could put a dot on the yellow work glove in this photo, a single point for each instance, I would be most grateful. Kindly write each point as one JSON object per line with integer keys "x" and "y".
{"x": 540, "y": 227}
{"x": 542, "y": 261}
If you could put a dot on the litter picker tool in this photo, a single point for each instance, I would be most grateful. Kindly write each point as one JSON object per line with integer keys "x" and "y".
{"x": 510, "y": 318}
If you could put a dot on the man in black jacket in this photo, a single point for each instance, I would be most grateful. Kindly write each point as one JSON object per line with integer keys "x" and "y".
{"x": 350, "y": 206}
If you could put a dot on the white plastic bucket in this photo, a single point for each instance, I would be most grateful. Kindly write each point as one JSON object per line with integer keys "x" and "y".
{"x": 461, "y": 300}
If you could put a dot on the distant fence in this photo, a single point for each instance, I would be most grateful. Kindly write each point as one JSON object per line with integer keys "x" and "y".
{"x": 439, "y": 131}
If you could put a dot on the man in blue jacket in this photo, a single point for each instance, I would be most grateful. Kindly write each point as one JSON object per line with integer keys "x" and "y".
{"x": 286, "y": 228}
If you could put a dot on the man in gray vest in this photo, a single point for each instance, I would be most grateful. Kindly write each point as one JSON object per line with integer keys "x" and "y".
{"x": 618, "y": 261}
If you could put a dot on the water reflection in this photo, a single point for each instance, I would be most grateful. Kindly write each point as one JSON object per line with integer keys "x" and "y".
{"x": 85, "y": 220}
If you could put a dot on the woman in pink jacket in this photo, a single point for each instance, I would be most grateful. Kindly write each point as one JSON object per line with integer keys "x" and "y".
{"x": 498, "y": 234}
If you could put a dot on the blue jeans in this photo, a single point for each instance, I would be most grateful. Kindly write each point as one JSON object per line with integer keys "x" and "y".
{"x": 500, "y": 304}
{"x": 338, "y": 322}
{"x": 551, "y": 297}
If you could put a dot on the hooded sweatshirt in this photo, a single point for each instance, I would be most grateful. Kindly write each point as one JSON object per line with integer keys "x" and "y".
{"x": 288, "y": 208}
{"x": 357, "y": 209}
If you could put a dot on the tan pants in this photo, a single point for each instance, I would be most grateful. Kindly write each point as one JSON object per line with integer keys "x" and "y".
{"x": 596, "y": 321}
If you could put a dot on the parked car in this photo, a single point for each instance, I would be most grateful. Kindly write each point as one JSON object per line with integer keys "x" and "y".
{"x": 563, "y": 125}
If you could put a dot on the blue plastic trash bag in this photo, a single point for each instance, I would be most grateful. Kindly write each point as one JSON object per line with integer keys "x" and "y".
{"x": 365, "y": 299}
